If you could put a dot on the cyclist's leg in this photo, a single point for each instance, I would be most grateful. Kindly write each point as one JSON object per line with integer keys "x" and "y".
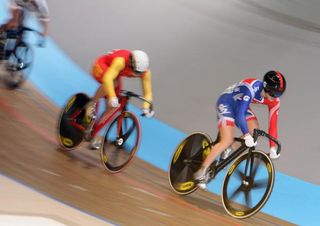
{"x": 226, "y": 131}
{"x": 97, "y": 141}
{"x": 90, "y": 108}
{"x": 226, "y": 124}
{"x": 97, "y": 71}
{"x": 226, "y": 139}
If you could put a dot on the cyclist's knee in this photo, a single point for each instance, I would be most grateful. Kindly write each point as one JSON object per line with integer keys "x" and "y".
{"x": 224, "y": 143}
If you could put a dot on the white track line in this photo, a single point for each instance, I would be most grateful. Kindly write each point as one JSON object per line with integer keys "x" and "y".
{"x": 49, "y": 172}
{"x": 78, "y": 187}
{"x": 146, "y": 192}
{"x": 130, "y": 196}
{"x": 156, "y": 212}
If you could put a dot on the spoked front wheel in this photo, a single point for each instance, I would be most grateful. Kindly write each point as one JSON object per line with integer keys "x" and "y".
{"x": 186, "y": 160}
{"x": 18, "y": 66}
{"x": 121, "y": 142}
{"x": 248, "y": 184}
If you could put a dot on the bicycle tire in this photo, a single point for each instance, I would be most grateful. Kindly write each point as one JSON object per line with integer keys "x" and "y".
{"x": 239, "y": 203}
{"x": 18, "y": 66}
{"x": 69, "y": 136}
{"x": 121, "y": 142}
{"x": 186, "y": 160}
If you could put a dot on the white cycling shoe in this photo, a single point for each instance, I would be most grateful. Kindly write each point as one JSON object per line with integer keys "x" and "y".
{"x": 225, "y": 154}
{"x": 95, "y": 144}
{"x": 202, "y": 178}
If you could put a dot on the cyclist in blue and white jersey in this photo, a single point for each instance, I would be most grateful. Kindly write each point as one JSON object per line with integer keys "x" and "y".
{"x": 233, "y": 109}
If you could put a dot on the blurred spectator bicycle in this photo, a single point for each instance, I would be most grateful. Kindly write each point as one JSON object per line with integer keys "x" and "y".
{"x": 18, "y": 57}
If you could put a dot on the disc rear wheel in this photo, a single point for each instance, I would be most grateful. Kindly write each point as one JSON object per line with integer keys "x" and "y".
{"x": 186, "y": 160}
{"x": 70, "y": 128}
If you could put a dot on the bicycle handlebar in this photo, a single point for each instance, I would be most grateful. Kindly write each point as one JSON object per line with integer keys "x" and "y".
{"x": 23, "y": 28}
{"x": 129, "y": 94}
{"x": 42, "y": 40}
{"x": 258, "y": 132}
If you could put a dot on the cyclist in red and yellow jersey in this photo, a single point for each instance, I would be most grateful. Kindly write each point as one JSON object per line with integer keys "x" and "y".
{"x": 109, "y": 70}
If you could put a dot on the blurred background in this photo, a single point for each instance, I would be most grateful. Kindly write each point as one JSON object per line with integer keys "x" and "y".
{"x": 197, "y": 49}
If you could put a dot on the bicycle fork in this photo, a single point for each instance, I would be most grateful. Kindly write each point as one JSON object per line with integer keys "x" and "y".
{"x": 247, "y": 177}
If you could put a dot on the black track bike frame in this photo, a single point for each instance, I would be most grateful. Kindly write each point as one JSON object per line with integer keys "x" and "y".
{"x": 256, "y": 133}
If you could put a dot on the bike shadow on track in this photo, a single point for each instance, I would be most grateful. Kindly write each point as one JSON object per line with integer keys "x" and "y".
{"x": 84, "y": 157}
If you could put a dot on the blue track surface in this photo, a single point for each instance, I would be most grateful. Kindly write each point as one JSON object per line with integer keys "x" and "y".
{"x": 57, "y": 77}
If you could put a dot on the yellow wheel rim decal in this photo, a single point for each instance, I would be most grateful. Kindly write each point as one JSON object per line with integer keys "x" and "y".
{"x": 231, "y": 169}
{"x": 206, "y": 147}
{"x": 269, "y": 167}
{"x": 66, "y": 141}
{"x": 178, "y": 152}
{"x": 239, "y": 213}
{"x": 105, "y": 158}
{"x": 185, "y": 185}
{"x": 70, "y": 103}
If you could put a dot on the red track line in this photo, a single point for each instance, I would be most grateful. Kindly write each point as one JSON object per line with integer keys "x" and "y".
{"x": 10, "y": 110}
{"x": 21, "y": 118}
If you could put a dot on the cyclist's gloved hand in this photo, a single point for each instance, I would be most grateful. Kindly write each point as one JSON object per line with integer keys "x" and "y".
{"x": 147, "y": 112}
{"x": 114, "y": 102}
{"x": 249, "y": 140}
{"x": 273, "y": 153}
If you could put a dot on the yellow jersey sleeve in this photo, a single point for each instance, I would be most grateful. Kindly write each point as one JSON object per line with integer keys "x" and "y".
{"x": 147, "y": 89}
{"x": 117, "y": 65}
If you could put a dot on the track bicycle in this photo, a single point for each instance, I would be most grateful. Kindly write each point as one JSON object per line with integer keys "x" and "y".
{"x": 123, "y": 131}
{"x": 18, "y": 57}
{"x": 248, "y": 182}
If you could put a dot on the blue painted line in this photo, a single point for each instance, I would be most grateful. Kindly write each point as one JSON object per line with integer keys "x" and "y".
{"x": 58, "y": 77}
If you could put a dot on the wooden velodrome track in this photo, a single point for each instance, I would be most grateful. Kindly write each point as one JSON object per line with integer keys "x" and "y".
{"x": 139, "y": 196}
